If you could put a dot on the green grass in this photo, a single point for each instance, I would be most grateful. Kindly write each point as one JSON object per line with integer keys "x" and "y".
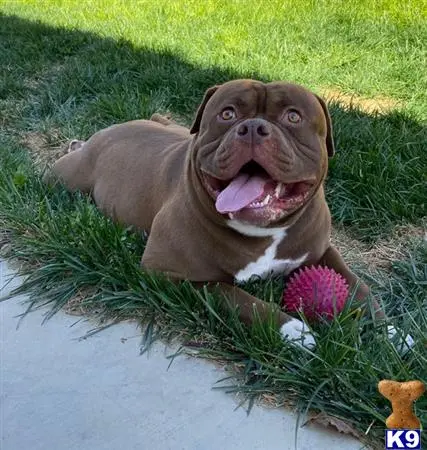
{"x": 364, "y": 47}
{"x": 83, "y": 67}
{"x": 77, "y": 82}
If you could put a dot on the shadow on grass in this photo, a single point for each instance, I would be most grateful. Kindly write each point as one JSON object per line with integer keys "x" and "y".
{"x": 76, "y": 83}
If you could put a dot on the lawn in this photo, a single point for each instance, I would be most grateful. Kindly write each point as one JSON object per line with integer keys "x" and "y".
{"x": 68, "y": 69}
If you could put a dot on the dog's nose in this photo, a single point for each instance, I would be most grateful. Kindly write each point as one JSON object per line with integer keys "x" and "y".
{"x": 253, "y": 130}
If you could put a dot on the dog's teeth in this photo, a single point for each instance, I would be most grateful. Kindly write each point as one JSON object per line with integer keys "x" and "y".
{"x": 266, "y": 200}
{"x": 278, "y": 189}
{"x": 260, "y": 204}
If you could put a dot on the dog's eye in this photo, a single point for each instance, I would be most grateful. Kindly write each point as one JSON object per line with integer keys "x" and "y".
{"x": 293, "y": 116}
{"x": 228, "y": 114}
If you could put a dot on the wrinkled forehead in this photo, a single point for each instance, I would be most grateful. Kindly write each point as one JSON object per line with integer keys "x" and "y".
{"x": 253, "y": 95}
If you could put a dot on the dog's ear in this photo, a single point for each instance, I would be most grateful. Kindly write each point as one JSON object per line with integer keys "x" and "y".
{"x": 329, "y": 136}
{"x": 208, "y": 94}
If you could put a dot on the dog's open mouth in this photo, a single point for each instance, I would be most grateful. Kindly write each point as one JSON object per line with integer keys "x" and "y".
{"x": 252, "y": 190}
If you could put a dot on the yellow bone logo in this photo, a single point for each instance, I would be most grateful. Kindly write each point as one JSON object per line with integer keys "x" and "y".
{"x": 402, "y": 396}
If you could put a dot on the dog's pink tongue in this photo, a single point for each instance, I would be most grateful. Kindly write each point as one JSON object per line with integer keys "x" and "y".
{"x": 243, "y": 190}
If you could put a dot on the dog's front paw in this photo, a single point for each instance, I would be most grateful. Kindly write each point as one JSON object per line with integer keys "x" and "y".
{"x": 297, "y": 332}
{"x": 401, "y": 343}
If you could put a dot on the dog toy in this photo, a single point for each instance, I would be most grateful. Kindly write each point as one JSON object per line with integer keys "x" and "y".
{"x": 402, "y": 397}
{"x": 315, "y": 291}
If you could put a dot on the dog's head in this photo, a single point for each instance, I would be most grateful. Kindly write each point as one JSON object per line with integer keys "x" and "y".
{"x": 261, "y": 150}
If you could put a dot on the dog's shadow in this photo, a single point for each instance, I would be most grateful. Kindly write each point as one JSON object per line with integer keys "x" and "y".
{"x": 76, "y": 82}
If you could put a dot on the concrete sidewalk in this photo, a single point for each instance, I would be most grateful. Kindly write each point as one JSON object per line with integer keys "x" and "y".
{"x": 59, "y": 393}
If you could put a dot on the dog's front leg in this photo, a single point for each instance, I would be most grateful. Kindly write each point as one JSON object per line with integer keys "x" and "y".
{"x": 333, "y": 259}
{"x": 250, "y": 308}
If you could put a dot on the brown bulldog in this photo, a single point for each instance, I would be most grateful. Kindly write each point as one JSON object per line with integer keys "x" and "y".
{"x": 238, "y": 195}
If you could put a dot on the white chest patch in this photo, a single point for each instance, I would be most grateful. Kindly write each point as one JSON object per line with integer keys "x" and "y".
{"x": 266, "y": 263}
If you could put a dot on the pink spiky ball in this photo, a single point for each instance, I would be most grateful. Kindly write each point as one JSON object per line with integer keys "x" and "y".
{"x": 316, "y": 291}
